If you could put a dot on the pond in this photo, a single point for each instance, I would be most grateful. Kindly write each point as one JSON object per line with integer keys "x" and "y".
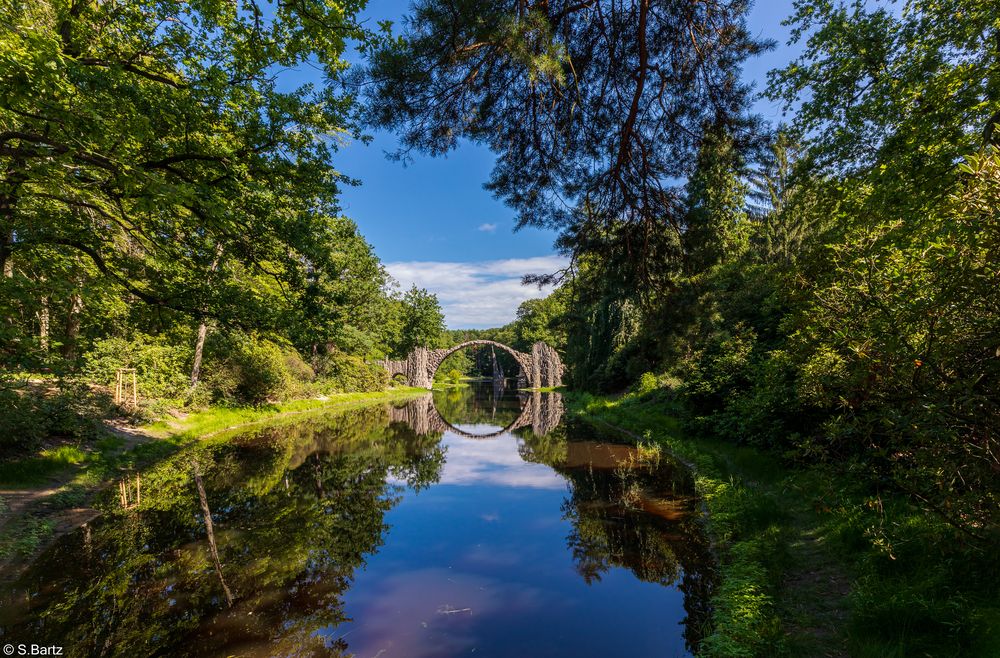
{"x": 474, "y": 521}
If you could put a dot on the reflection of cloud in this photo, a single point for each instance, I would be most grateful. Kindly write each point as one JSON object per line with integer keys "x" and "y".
{"x": 431, "y": 612}
{"x": 483, "y": 294}
{"x": 493, "y": 461}
{"x": 487, "y": 228}
{"x": 491, "y": 556}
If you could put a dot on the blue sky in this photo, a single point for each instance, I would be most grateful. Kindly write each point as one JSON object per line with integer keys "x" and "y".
{"x": 433, "y": 225}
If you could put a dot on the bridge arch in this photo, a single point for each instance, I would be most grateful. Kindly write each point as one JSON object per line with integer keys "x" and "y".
{"x": 542, "y": 367}
{"x": 434, "y": 362}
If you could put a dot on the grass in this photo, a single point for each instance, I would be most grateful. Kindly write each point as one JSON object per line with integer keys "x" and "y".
{"x": 815, "y": 563}
{"x": 93, "y": 464}
{"x": 76, "y": 472}
{"x": 34, "y": 471}
{"x": 218, "y": 419}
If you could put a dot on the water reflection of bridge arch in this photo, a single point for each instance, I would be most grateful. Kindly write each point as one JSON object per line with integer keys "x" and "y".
{"x": 542, "y": 412}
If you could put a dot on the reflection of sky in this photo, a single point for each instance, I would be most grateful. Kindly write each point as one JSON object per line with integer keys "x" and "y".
{"x": 493, "y": 461}
{"x": 478, "y": 564}
{"x": 483, "y": 569}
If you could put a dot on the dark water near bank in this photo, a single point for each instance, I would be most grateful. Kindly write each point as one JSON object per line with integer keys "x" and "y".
{"x": 479, "y": 522}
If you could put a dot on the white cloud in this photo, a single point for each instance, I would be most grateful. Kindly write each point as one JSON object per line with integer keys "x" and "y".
{"x": 477, "y": 295}
{"x": 487, "y": 228}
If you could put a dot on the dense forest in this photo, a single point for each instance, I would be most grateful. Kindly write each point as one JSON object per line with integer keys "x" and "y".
{"x": 165, "y": 205}
{"x": 826, "y": 290}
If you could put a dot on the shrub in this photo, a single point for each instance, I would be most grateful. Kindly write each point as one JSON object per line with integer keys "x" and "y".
{"x": 345, "y": 373}
{"x": 243, "y": 368}
{"x": 161, "y": 368}
{"x": 30, "y": 413}
{"x": 647, "y": 383}
{"x": 263, "y": 373}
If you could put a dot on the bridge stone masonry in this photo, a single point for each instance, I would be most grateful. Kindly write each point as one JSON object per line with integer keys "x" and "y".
{"x": 541, "y": 368}
{"x": 542, "y": 412}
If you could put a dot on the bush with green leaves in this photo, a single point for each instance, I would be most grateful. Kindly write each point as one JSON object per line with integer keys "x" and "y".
{"x": 344, "y": 373}
{"x": 31, "y": 412}
{"x": 162, "y": 368}
{"x": 900, "y": 348}
{"x": 247, "y": 369}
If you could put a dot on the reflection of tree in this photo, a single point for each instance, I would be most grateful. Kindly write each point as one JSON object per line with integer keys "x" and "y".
{"x": 631, "y": 511}
{"x": 478, "y": 404}
{"x": 296, "y": 511}
{"x": 549, "y": 449}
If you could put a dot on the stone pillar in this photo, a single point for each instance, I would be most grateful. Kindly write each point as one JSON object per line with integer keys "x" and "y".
{"x": 546, "y": 365}
{"x": 417, "y": 372}
{"x": 535, "y": 375}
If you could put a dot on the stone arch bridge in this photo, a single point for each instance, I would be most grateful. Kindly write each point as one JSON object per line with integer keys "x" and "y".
{"x": 541, "y": 368}
{"x": 541, "y": 412}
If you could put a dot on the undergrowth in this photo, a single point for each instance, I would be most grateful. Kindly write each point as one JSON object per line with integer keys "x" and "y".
{"x": 815, "y": 561}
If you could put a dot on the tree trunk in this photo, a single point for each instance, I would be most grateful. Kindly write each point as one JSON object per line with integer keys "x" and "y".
{"x": 6, "y": 240}
{"x": 13, "y": 178}
{"x": 199, "y": 346}
{"x": 43, "y": 324}
{"x": 72, "y": 326}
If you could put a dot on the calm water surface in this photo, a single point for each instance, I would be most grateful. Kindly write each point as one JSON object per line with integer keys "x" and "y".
{"x": 474, "y": 522}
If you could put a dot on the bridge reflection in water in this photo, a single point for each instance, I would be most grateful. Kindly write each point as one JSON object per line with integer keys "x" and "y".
{"x": 542, "y": 412}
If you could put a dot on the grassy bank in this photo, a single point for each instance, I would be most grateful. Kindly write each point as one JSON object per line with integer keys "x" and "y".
{"x": 47, "y": 493}
{"x": 813, "y": 563}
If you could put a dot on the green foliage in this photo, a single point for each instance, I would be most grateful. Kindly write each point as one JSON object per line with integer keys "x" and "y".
{"x": 421, "y": 322}
{"x": 898, "y": 343}
{"x": 162, "y": 369}
{"x": 350, "y": 374}
{"x": 458, "y": 361}
{"x": 247, "y": 369}
{"x": 541, "y": 320}
{"x": 647, "y": 383}
{"x": 455, "y": 377}
{"x": 61, "y": 408}
{"x": 157, "y": 177}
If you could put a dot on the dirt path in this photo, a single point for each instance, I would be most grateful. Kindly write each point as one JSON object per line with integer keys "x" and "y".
{"x": 814, "y": 603}
{"x": 32, "y": 517}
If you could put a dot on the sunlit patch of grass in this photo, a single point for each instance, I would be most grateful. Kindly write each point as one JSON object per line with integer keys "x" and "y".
{"x": 217, "y": 419}
{"x": 36, "y": 470}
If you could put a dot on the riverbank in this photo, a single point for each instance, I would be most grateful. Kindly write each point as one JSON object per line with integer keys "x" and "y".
{"x": 812, "y": 563}
{"x": 47, "y": 494}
